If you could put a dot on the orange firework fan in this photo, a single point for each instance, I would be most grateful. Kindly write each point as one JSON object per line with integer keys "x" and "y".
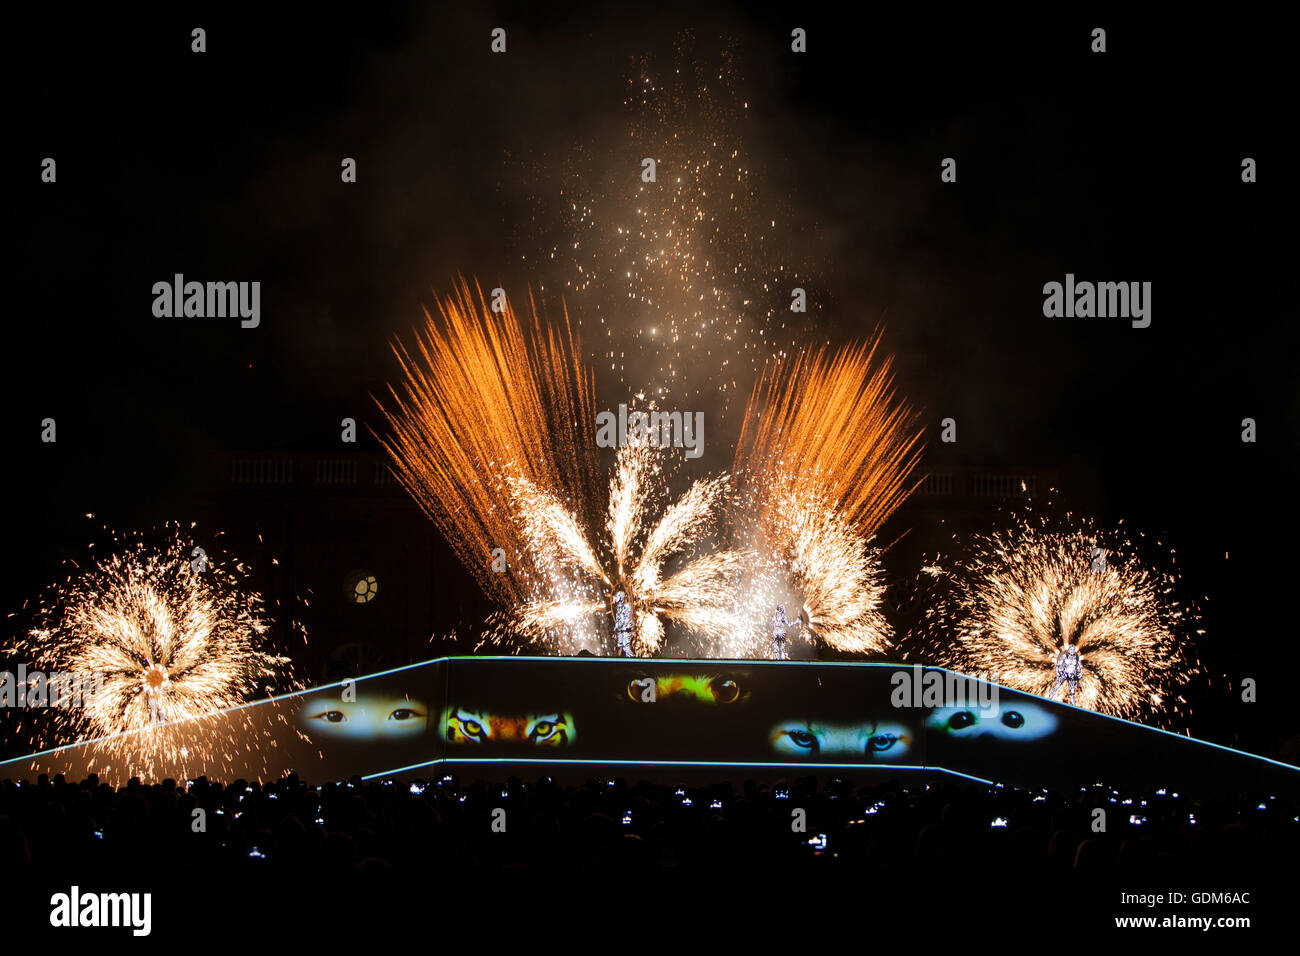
{"x": 488, "y": 400}
{"x": 824, "y": 456}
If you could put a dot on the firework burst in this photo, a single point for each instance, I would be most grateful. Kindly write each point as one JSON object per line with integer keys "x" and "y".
{"x": 154, "y": 635}
{"x": 824, "y": 458}
{"x": 493, "y": 433}
{"x": 1007, "y": 609}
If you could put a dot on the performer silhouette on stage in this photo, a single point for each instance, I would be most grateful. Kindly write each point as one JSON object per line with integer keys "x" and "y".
{"x": 1069, "y": 670}
{"x": 780, "y": 627}
{"x": 623, "y": 624}
{"x": 1098, "y": 558}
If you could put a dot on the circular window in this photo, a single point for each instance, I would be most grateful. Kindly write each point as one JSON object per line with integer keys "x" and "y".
{"x": 360, "y": 587}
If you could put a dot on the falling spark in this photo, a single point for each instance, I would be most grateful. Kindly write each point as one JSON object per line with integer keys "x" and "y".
{"x": 686, "y": 280}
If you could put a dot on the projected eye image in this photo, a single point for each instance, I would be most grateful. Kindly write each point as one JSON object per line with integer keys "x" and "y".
{"x": 465, "y": 726}
{"x": 369, "y": 717}
{"x": 1019, "y": 721}
{"x": 875, "y": 741}
{"x": 714, "y": 689}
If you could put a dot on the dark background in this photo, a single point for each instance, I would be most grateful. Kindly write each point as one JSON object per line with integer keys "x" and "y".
{"x": 225, "y": 166}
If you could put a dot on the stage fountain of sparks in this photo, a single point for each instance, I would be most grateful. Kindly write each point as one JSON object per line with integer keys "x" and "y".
{"x": 824, "y": 457}
{"x": 493, "y": 433}
{"x": 683, "y": 286}
{"x": 155, "y": 634}
{"x": 681, "y": 289}
{"x": 1006, "y": 608}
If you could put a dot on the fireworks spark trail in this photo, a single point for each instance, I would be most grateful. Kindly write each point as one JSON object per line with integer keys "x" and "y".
{"x": 488, "y": 402}
{"x": 492, "y": 432}
{"x": 827, "y": 426}
{"x": 552, "y": 533}
{"x": 1009, "y": 606}
{"x": 682, "y": 526}
{"x": 684, "y": 278}
{"x": 165, "y": 637}
{"x": 825, "y": 456}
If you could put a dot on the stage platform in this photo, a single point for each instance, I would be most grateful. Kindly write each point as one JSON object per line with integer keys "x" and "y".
{"x": 700, "y": 721}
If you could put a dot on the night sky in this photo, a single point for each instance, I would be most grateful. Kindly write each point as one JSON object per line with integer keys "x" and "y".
{"x": 1123, "y": 166}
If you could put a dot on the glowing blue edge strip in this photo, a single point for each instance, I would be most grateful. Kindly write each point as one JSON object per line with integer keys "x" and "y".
{"x": 670, "y": 763}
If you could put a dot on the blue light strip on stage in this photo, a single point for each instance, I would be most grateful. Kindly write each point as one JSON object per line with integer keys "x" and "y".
{"x": 672, "y": 763}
